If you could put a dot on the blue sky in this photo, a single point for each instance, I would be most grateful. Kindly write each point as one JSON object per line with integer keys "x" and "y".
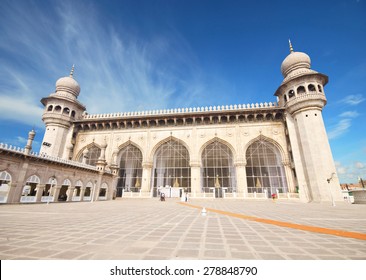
{"x": 143, "y": 55}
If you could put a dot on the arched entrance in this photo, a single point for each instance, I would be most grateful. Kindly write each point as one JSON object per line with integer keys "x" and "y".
{"x": 30, "y": 189}
{"x": 218, "y": 171}
{"x": 130, "y": 170}
{"x": 171, "y": 169}
{"x": 5, "y": 180}
{"x": 265, "y": 171}
{"x": 63, "y": 194}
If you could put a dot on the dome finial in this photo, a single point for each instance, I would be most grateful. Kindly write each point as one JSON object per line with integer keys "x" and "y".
{"x": 72, "y": 71}
{"x": 291, "y": 48}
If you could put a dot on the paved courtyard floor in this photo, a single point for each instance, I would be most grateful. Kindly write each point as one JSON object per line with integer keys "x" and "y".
{"x": 150, "y": 229}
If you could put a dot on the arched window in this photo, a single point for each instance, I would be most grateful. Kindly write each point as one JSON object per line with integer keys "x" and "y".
{"x": 320, "y": 88}
{"x": 77, "y": 190}
{"x": 264, "y": 168}
{"x": 291, "y": 94}
{"x": 58, "y": 108}
{"x": 31, "y": 185}
{"x": 171, "y": 168}
{"x": 5, "y": 177}
{"x": 301, "y": 90}
{"x": 218, "y": 170}
{"x": 311, "y": 88}
{"x": 66, "y": 111}
{"x": 49, "y": 108}
{"x": 73, "y": 114}
{"x": 92, "y": 155}
{"x": 103, "y": 190}
{"x": 130, "y": 170}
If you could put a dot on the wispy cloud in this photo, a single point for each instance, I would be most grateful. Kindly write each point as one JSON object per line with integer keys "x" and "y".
{"x": 343, "y": 125}
{"x": 349, "y": 114}
{"x": 353, "y": 99}
{"x": 116, "y": 70}
{"x": 339, "y": 129}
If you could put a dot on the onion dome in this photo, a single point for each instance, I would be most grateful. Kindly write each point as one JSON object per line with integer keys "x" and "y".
{"x": 68, "y": 85}
{"x": 294, "y": 61}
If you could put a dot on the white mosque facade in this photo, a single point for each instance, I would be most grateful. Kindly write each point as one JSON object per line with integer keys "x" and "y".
{"x": 244, "y": 151}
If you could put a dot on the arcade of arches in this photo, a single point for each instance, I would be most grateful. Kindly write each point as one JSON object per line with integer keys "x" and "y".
{"x": 171, "y": 169}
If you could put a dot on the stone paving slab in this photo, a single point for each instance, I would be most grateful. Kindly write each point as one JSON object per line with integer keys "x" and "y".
{"x": 148, "y": 229}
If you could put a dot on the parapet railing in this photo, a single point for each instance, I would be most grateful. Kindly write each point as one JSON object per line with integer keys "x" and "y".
{"x": 19, "y": 150}
{"x": 184, "y": 110}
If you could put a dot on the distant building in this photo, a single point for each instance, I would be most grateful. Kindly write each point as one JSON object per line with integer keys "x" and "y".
{"x": 246, "y": 151}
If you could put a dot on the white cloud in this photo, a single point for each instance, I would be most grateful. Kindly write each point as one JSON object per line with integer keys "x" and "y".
{"x": 339, "y": 129}
{"x": 359, "y": 165}
{"x": 116, "y": 70}
{"x": 349, "y": 114}
{"x": 353, "y": 99}
{"x": 20, "y": 110}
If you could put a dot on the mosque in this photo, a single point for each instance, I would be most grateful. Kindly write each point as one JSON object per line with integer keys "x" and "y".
{"x": 245, "y": 151}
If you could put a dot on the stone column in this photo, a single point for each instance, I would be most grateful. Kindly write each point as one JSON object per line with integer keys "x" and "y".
{"x": 289, "y": 177}
{"x": 70, "y": 193}
{"x": 39, "y": 189}
{"x": 195, "y": 178}
{"x": 55, "y": 192}
{"x": 241, "y": 178}
{"x": 82, "y": 192}
{"x": 12, "y": 197}
{"x": 146, "y": 176}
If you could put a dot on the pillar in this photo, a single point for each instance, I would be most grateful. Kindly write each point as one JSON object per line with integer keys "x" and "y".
{"x": 40, "y": 188}
{"x": 241, "y": 178}
{"x": 82, "y": 192}
{"x": 289, "y": 177}
{"x": 146, "y": 176}
{"x": 195, "y": 178}
{"x": 55, "y": 192}
{"x": 70, "y": 193}
{"x": 12, "y": 193}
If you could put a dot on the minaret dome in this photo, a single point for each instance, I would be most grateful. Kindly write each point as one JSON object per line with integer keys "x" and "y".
{"x": 68, "y": 85}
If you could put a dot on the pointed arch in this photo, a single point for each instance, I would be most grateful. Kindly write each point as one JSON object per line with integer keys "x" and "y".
{"x": 5, "y": 179}
{"x": 66, "y": 182}
{"x": 270, "y": 140}
{"x": 103, "y": 190}
{"x": 125, "y": 144}
{"x": 217, "y": 167}
{"x": 5, "y": 176}
{"x": 79, "y": 183}
{"x": 130, "y": 169}
{"x": 33, "y": 179}
{"x": 165, "y": 140}
{"x": 94, "y": 151}
{"x": 52, "y": 181}
{"x": 31, "y": 185}
{"x": 171, "y": 167}
{"x": 217, "y": 139}
{"x": 264, "y": 169}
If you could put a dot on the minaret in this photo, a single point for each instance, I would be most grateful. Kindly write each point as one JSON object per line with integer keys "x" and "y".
{"x": 28, "y": 147}
{"x": 61, "y": 109}
{"x": 302, "y": 95}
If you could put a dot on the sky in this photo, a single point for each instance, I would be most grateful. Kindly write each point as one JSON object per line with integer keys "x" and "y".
{"x": 136, "y": 55}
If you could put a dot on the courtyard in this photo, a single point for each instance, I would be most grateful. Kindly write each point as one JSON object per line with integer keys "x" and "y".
{"x": 149, "y": 229}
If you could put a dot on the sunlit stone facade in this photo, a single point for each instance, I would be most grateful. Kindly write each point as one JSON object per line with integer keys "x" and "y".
{"x": 248, "y": 151}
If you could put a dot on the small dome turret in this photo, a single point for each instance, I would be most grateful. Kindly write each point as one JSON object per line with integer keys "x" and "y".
{"x": 68, "y": 85}
{"x": 294, "y": 61}
{"x": 295, "y": 64}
